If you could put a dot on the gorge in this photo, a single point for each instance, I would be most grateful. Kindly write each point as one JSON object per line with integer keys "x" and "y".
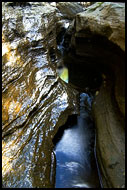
{"x": 63, "y": 95}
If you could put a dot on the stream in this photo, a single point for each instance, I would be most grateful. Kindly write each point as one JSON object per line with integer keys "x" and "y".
{"x": 46, "y": 142}
{"x": 63, "y": 95}
{"x": 76, "y": 165}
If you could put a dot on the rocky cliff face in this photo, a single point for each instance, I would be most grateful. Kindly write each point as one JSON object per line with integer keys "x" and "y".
{"x": 106, "y": 19}
{"x": 98, "y": 43}
{"x": 35, "y": 102}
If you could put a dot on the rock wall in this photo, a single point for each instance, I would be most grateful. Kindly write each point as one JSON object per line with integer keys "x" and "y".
{"x": 35, "y": 102}
{"x": 98, "y": 44}
{"x": 69, "y": 9}
{"x": 106, "y": 19}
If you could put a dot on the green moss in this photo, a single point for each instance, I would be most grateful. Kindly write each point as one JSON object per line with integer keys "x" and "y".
{"x": 64, "y": 75}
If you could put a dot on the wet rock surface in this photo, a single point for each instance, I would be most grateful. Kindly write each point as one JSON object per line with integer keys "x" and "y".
{"x": 110, "y": 136}
{"x": 35, "y": 102}
{"x": 69, "y": 9}
{"x": 98, "y": 45}
{"x": 106, "y": 19}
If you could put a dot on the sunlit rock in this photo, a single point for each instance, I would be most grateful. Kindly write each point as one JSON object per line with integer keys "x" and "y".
{"x": 35, "y": 102}
{"x": 69, "y": 9}
{"x": 106, "y": 19}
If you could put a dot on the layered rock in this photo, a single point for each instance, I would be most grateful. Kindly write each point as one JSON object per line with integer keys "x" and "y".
{"x": 35, "y": 102}
{"x": 110, "y": 145}
{"x": 98, "y": 44}
{"x": 69, "y": 9}
{"x": 106, "y": 19}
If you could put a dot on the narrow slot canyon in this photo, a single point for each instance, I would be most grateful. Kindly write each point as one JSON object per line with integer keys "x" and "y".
{"x": 63, "y": 95}
{"x": 76, "y": 164}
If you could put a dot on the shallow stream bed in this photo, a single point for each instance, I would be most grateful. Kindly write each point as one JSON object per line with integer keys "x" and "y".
{"x": 76, "y": 164}
{"x": 75, "y": 159}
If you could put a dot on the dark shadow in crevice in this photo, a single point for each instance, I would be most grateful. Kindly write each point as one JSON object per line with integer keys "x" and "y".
{"x": 71, "y": 121}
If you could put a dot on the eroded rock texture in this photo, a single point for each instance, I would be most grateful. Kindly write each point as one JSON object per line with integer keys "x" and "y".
{"x": 35, "y": 102}
{"x": 99, "y": 43}
{"x": 69, "y": 9}
{"x": 106, "y": 19}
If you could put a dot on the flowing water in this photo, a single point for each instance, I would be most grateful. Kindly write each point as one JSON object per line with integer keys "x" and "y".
{"x": 35, "y": 103}
{"x": 76, "y": 165}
